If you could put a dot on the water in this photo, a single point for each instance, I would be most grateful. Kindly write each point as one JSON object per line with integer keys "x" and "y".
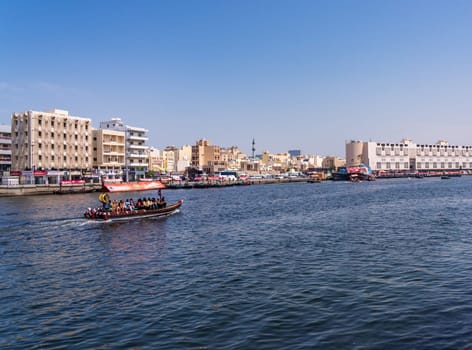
{"x": 374, "y": 265}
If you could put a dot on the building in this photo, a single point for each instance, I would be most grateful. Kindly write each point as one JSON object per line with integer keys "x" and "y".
{"x": 51, "y": 141}
{"x": 207, "y": 157}
{"x": 156, "y": 163}
{"x": 295, "y": 153}
{"x": 407, "y": 156}
{"x": 333, "y": 162}
{"x": 275, "y": 162}
{"x": 5, "y": 149}
{"x": 109, "y": 153}
{"x": 136, "y": 153}
{"x": 184, "y": 158}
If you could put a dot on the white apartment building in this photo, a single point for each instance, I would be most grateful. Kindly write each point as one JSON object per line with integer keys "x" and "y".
{"x": 51, "y": 140}
{"x": 5, "y": 149}
{"x": 407, "y": 156}
{"x": 136, "y": 152}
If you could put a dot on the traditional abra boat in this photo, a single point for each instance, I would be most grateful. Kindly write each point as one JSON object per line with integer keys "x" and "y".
{"x": 159, "y": 209}
{"x": 100, "y": 214}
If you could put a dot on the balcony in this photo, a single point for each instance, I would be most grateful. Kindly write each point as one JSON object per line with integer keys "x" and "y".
{"x": 136, "y": 138}
{"x": 134, "y": 155}
{"x": 137, "y": 147}
{"x": 138, "y": 165}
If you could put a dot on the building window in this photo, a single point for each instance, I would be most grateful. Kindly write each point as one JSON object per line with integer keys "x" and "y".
{"x": 52, "y": 158}
{"x": 52, "y": 135}
{"x": 52, "y": 146}
{"x": 52, "y": 122}
{"x": 65, "y": 147}
{"x": 39, "y": 133}
{"x": 40, "y": 145}
{"x": 40, "y": 157}
{"x": 65, "y": 158}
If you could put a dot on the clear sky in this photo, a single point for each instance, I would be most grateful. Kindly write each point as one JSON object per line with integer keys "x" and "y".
{"x": 293, "y": 74}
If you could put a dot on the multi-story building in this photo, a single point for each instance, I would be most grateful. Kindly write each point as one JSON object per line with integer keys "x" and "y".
{"x": 275, "y": 162}
{"x": 51, "y": 140}
{"x": 156, "y": 163}
{"x": 207, "y": 157}
{"x": 407, "y": 156}
{"x": 232, "y": 157}
{"x": 137, "y": 158}
{"x": 333, "y": 162}
{"x": 109, "y": 153}
{"x": 184, "y": 158}
{"x": 5, "y": 149}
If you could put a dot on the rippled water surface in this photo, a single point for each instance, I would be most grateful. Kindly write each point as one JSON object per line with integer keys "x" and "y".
{"x": 373, "y": 265}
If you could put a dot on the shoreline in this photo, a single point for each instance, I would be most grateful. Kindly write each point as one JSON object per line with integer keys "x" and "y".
{"x": 33, "y": 190}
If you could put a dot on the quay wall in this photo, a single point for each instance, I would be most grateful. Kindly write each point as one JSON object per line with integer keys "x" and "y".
{"x": 29, "y": 190}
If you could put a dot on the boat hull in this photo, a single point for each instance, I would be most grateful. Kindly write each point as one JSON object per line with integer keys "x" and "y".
{"x": 100, "y": 215}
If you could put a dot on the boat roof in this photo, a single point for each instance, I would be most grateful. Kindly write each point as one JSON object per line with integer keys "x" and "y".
{"x": 134, "y": 186}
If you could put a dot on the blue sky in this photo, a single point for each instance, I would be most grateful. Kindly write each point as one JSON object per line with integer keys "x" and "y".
{"x": 292, "y": 74}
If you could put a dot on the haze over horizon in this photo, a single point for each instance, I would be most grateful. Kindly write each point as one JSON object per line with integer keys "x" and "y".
{"x": 306, "y": 75}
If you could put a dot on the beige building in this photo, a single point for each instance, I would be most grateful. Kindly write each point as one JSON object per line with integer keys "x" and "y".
{"x": 51, "y": 140}
{"x": 184, "y": 159}
{"x": 207, "y": 157}
{"x": 156, "y": 163}
{"x": 278, "y": 162}
{"x": 137, "y": 151}
{"x": 232, "y": 157}
{"x": 332, "y": 162}
{"x": 109, "y": 152}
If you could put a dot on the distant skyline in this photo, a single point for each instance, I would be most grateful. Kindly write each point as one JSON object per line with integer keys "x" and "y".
{"x": 302, "y": 74}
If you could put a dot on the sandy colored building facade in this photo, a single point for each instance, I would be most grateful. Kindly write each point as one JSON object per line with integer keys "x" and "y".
{"x": 51, "y": 140}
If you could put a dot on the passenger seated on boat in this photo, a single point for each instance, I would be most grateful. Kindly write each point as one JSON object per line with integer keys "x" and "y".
{"x": 131, "y": 204}
{"x": 161, "y": 203}
{"x": 107, "y": 205}
{"x": 121, "y": 205}
{"x": 139, "y": 204}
